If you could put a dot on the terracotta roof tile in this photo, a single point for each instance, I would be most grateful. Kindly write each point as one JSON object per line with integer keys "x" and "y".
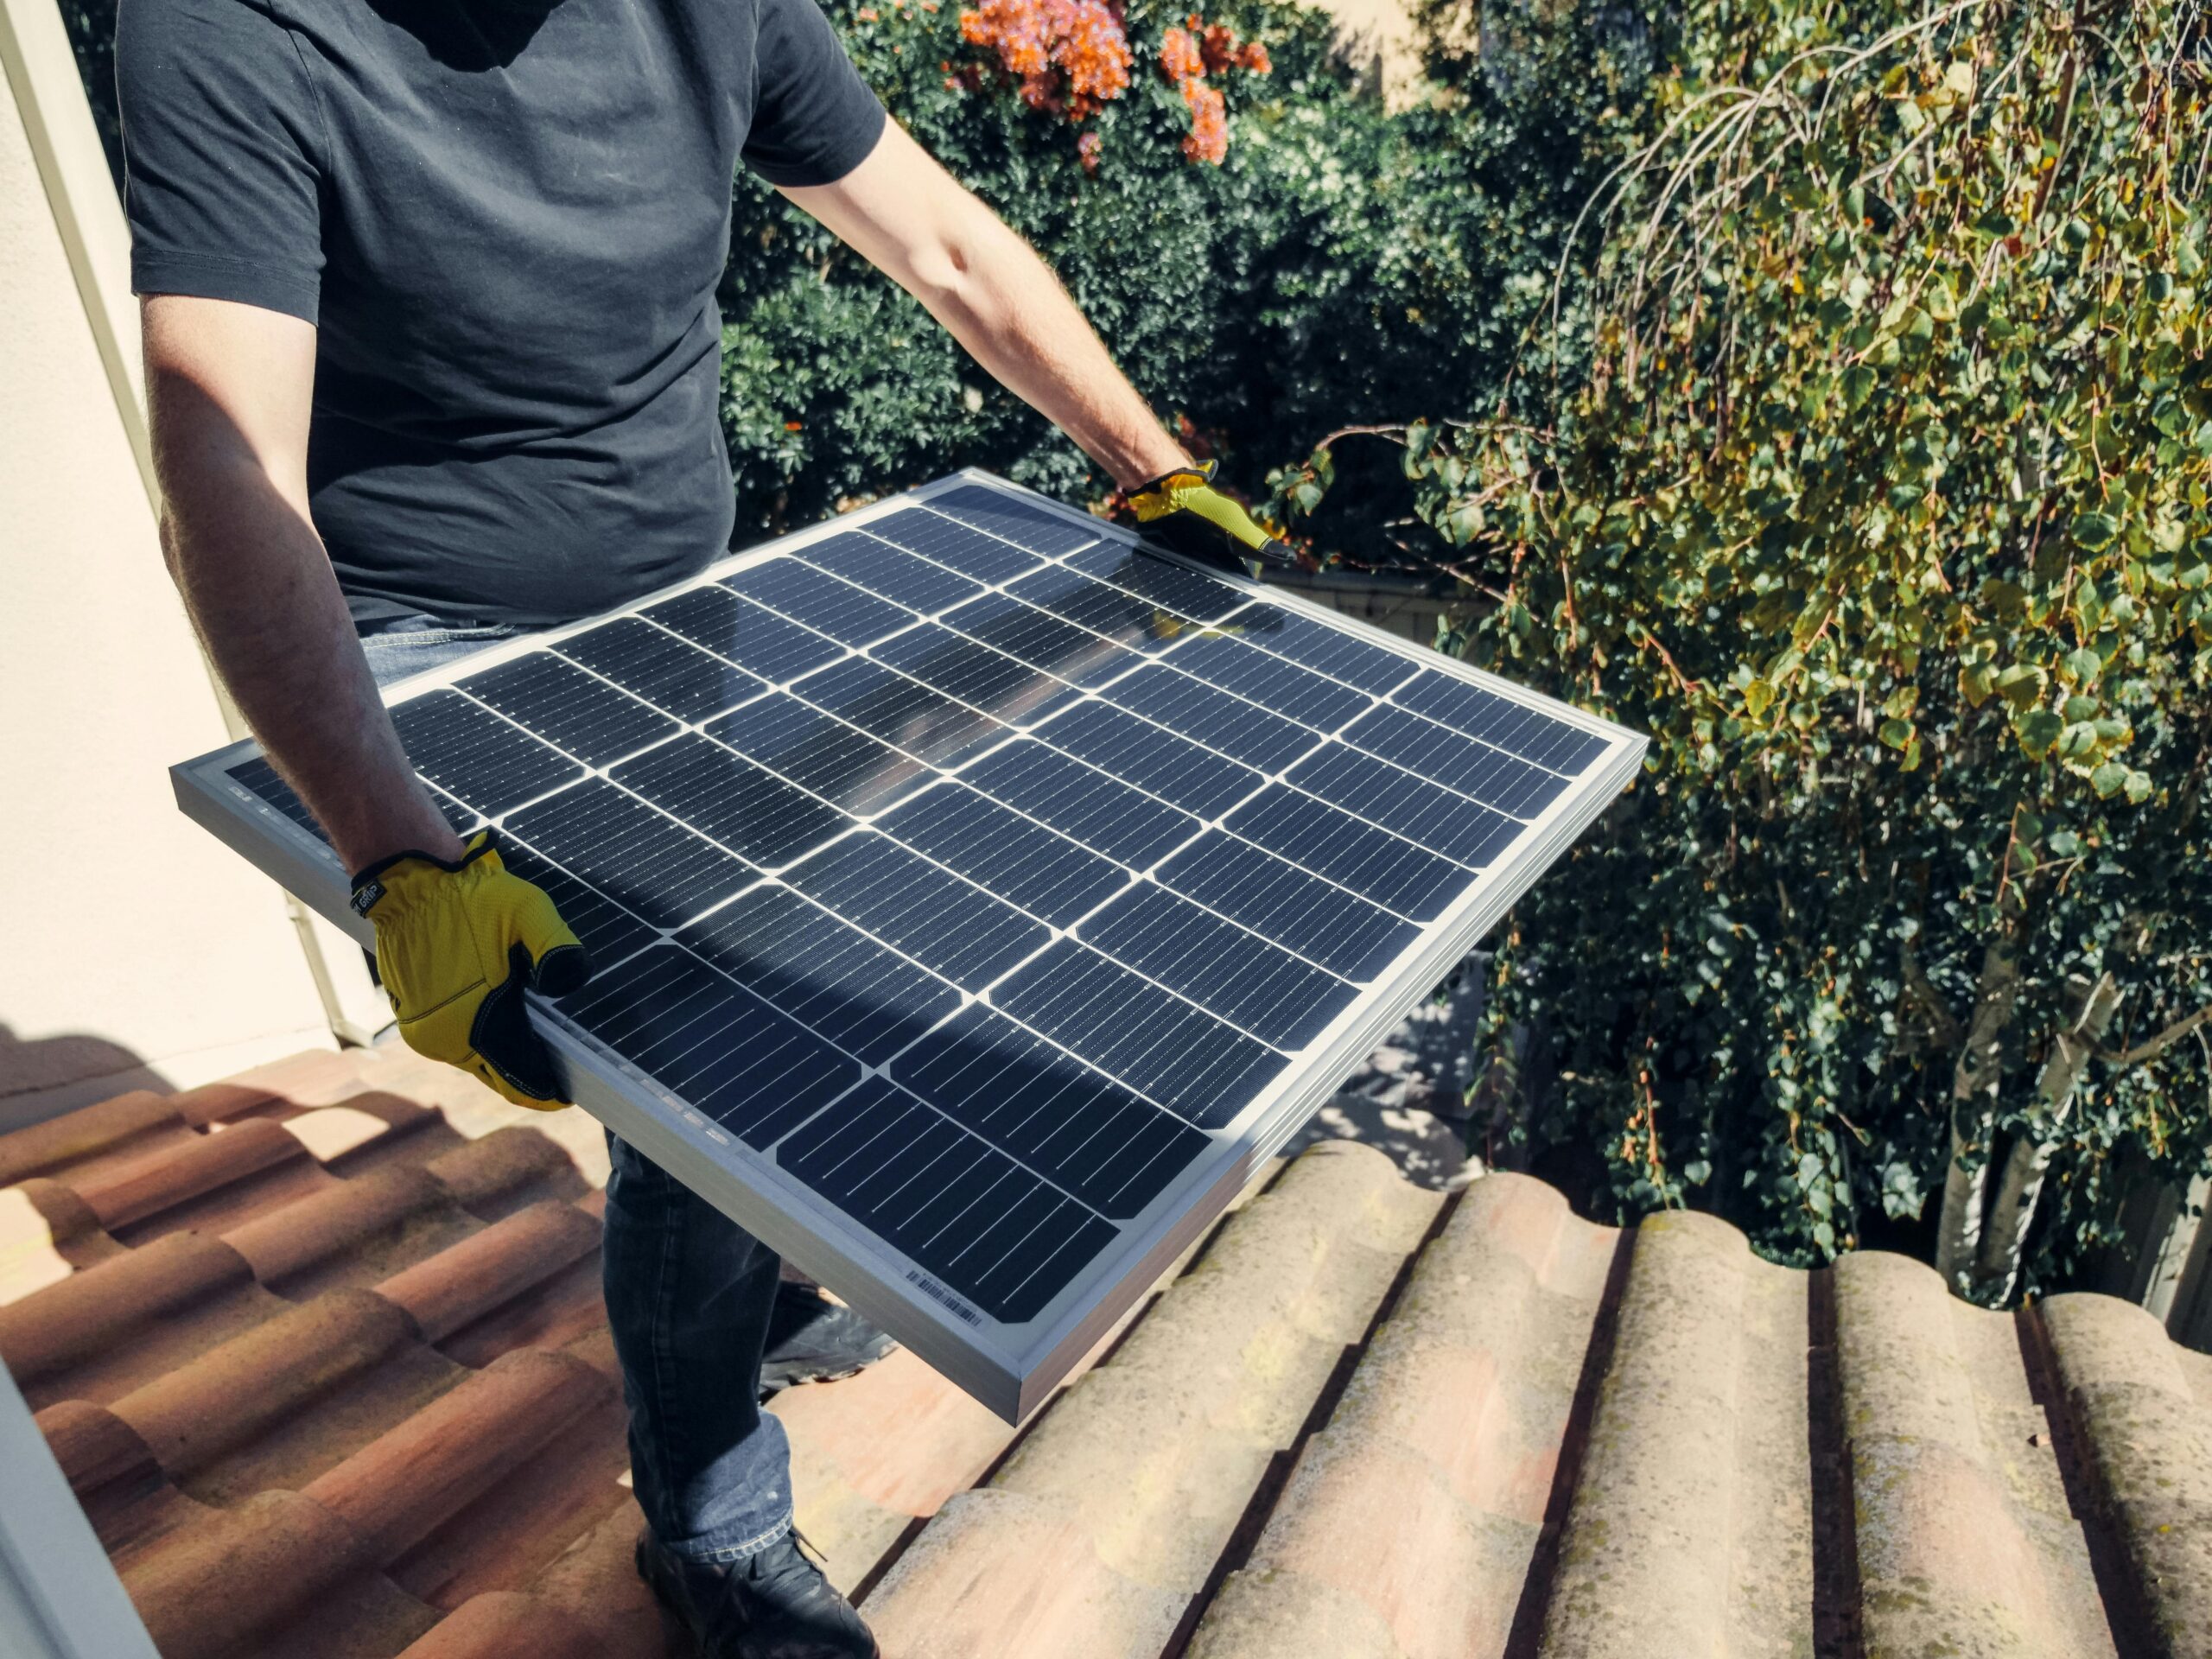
{"x": 378, "y": 1224}
{"x": 1937, "y": 1423}
{"x": 2145, "y": 1424}
{"x": 1648, "y": 1555}
{"x": 219, "y": 1102}
{"x": 205, "y": 1589}
{"x": 507, "y": 1169}
{"x": 126, "y": 1127}
{"x": 323, "y": 1354}
{"x": 160, "y": 1179}
{"x": 1142, "y": 1470}
{"x": 396, "y": 1491}
{"x": 129, "y": 1319}
{"x": 241, "y": 1390}
{"x": 1465, "y": 1392}
{"x": 447, "y": 1291}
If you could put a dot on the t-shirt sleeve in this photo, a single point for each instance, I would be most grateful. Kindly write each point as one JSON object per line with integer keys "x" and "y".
{"x": 814, "y": 118}
{"x": 220, "y": 136}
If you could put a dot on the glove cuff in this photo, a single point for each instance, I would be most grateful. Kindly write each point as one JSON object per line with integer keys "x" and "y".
{"x": 369, "y": 885}
{"x": 1158, "y": 496}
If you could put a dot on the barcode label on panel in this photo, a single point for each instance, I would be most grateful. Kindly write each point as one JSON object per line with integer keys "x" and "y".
{"x": 938, "y": 1293}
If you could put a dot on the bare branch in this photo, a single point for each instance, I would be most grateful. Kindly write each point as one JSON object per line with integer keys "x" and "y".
{"x": 2152, "y": 1047}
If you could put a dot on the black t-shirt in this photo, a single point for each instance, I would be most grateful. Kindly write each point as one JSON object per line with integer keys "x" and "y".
{"x": 507, "y": 219}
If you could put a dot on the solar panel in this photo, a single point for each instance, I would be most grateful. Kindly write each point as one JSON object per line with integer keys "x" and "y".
{"x": 977, "y": 896}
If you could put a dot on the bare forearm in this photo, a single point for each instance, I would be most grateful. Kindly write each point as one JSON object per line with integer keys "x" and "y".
{"x": 1003, "y": 303}
{"x": 259, "y": 588}
{"x": 913, "y": 221}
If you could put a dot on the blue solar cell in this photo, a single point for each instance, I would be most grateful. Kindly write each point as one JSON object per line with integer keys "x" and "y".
{"x": 1179, "y": 1055}
{"x": 803, "y": 594}
{"x": 1083, "y": 803}
{"x": 1473, "y": 712}
{"x": 827, "y": 975}
{"x": 607, "y": 932}
{"x": 821, "y": 753}
{"x": 707, "y": 1040}
{"x": 643, "y": 861}
{"x": 1186, "y": 591}
{"x": 1041, "y": 640}
{"x": 1387, "y": 868}
{"x": 1211, "y": 717}
{"x": 1274, "y": 683}
{"x": 954, "y": 545}
{"x": 743, "y": 805}
{"x": 888, "y": 572}
{"x": 944, "y": 923}
{"x": 570, "y": 710}
{"x": 1475, "y": 769}
{"x": 666, "y": 671}
{"x": 1329, "y": 651}
{"x": 491, "y": 764}
{"x": 1138, "y": 624}
{"x": 902, "y": 712}
{"x": 972, "y": 1217}
{"x": 970, "y": 672}
{"x": 1027, "y": 524}
{"x": 772, "y": 646}
{"x": 1409, "y": 806}
{"x": 1277, "y": 997}
{"x": 1014, "y": 857}
{"x": 1193, "y": 777}
{"x": 465, "y": 820}
{"x": 1344, "y": 932}
{"x": 1087, "y": 1133}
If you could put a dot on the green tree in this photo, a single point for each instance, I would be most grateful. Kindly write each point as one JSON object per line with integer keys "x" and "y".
{"x": 1883, "y": 505}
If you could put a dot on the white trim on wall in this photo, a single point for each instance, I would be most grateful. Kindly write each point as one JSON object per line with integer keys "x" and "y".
{"x": 42, "y": 71}
{"x": 59, "y": 1596}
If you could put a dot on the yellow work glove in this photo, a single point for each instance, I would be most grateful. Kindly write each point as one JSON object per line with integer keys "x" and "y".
{"x": 1182, "y": 509}
{"x": 456, "y": 945}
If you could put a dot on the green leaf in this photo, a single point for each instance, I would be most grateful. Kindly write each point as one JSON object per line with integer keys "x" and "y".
{"x": 2038, "y": 730}
{"x": 2108, "y": 779}
{"x": 2095, "y": 530}
{"x": 1857, "y": 385}
{"x": 2022, "y": 685}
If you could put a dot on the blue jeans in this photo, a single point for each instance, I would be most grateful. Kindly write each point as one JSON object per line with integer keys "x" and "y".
{"x": 688, "y": 1294}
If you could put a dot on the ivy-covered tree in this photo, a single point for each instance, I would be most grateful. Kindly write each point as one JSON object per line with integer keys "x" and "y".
{"x": 1883, "y": 506}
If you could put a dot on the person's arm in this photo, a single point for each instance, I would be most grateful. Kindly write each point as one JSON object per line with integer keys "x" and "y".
{"x": 228, "y": 387}
{"x": 914, "y": 222}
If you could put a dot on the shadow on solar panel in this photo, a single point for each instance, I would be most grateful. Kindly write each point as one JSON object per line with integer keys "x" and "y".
{"x": 978, "y": 896}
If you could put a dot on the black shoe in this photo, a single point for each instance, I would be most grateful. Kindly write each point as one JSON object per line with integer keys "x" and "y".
{"x": 813, "y": 1339}
{"x": 774, "y": 1604}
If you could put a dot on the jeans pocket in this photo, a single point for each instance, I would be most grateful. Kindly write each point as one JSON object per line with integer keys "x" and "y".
{"x": 397, "y": 655}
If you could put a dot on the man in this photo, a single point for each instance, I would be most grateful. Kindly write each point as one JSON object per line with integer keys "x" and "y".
{"x": 432, "y": 353}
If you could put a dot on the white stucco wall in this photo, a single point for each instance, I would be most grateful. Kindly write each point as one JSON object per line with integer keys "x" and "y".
{"x": 134, "y": 951}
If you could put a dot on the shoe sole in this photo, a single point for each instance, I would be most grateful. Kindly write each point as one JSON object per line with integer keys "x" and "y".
{"x": 776, "y": 1384}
